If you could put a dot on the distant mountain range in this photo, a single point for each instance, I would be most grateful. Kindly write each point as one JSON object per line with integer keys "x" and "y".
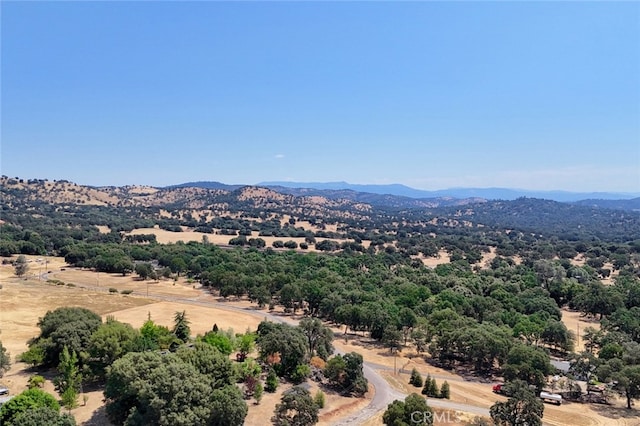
{"x": 486, "y": 193}
{"x": 402, "y": 196}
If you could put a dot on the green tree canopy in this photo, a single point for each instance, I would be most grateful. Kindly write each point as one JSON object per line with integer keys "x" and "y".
{"x": 523, "y": 408}
{"x": 110, "y": 341}
{"x": 150, "y": 388}
{"x": 345, "y": 372}
{"x": 44, "y": 416}
{"x": 414, "y": 410}
{"x": 23, "y": 402}
{"x": 181, "y": 327}
{"x": 288, "y": 342}
{"x": 21, "y": 267}
{"x": 296, "y": 408}
{"x": 318, "y": 337}
{"x": 527, "y": 363}
{"x": 69, "y": 326}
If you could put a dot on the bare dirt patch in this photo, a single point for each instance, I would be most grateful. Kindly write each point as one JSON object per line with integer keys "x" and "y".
{"x": 577, "y": 322}
{"x": 103, "y": 229}
{"x": 169, "y": 237}
{"x": 432, "y": 262}
{"x": 202, "y": 318}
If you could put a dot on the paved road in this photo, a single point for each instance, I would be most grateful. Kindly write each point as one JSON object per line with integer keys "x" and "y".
{"x": 384, "y": 393}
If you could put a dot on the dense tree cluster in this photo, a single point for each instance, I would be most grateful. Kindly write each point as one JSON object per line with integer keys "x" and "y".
{"x": 296, "y": 408}
{"x": 345, "y": 373}
{"x": 522, "y": 408}
{"x": 192, "y": 386}
{"x": 64, "y": 327}
{"x": 145, "y": 383}
{"x": 460, "y": 314}
{"x": 412, "y": 411}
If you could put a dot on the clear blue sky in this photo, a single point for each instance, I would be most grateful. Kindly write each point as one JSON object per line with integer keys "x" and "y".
{"x": 432, "y": 95}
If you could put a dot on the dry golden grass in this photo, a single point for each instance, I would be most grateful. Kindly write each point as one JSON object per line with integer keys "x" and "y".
{"x": 167, "y": 237}
{"x": 432, "y": 262}
{"x": 576, "y": 322}
{"x": 202, "y": 318}
{"x": 25, "y": 301}
{"x": 103, "y": 229}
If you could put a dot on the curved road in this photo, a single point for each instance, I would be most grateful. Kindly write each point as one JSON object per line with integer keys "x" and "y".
{"x": 384, "y": 393}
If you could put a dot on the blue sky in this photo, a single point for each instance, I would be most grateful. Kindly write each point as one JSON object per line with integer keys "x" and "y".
{"x": 429, "y": 94}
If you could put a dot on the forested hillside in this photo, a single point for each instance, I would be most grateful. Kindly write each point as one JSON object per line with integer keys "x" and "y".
{"x": 494, "y": 308}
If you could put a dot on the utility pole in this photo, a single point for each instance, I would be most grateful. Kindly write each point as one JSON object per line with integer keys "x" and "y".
{"x": 395, "y": 357}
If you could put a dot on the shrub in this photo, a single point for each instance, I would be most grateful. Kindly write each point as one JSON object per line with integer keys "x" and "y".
{"x": 257, "y": 392}
{"x": 318, "y": 399}
{"x": 126, "y": 291}
{"x": 318, "y": 362}
{"x": 300, "y": 374}
{"x": 416, "y": 378}
{"x": 33, "y": 356}
{"x": 271, "y": 384}
{"x": 36, "y": 382}
{"x": 113, "y": 290}
{"x": 291, "y": 244}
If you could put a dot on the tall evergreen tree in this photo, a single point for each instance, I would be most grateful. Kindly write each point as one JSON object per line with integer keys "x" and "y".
{"x": 181, "y": 327}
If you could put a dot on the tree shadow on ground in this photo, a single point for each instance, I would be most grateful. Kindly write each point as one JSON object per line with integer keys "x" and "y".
{"x": 99, "y": 418}
{"x": 616, "y": 412}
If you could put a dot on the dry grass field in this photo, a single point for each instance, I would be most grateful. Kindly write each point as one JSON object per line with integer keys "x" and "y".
{"x": 24, "y": 301}
{"x": 576, "y": 323}
{"x": 166, "y": 237}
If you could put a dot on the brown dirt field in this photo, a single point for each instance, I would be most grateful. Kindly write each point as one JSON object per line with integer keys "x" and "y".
{"x": 103, "y": 229}
{"x": 202, "y": 318}
{"x": 576, "y": 322}
{"x": 163, "y": 287}
{"x": 487, "y": 258}
{"x": 579, "y": 260}
{"x": 166, "y": 237}
{"x": 432, "y": 262}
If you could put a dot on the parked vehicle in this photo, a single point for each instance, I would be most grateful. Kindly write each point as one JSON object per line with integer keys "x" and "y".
{"x": 499, "y": 389}
{"x": 552, "y": 398}
{"x": 596, "y": 388}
